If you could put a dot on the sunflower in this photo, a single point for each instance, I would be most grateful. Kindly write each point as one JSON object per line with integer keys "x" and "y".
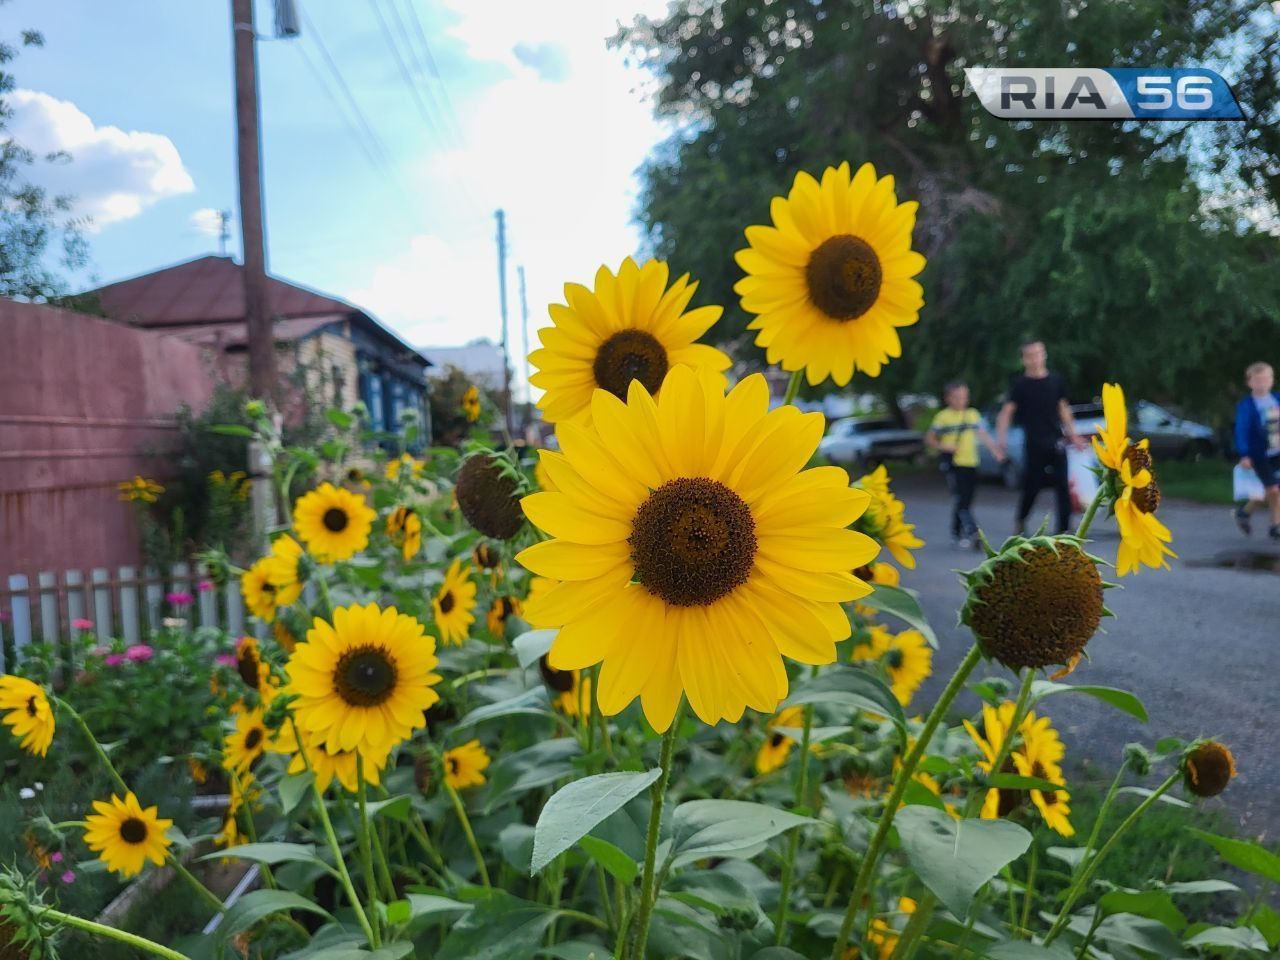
{"x": 499, "y": 611}
{"x": 333, "y": 522}
{"x": 830, "y": 280}
{"x": 631, "y": 326}
{"x": 140, "y": 490}
{"x": 28, "y": 713}
{"x": 247, "y": 743}
{"x": 471, "y": 403}
{"x": 1208, "y": 768}
{"x": 542, "y": 478}
{"x": 258, "y": 590}
{"x": 488, "y": 494}
{"x": 284, "y": 568}
{"x": 777, "y": 746}
{"x": 486, "y": 556}
{"x": 464, "y": 766}
{"x": 411, "y": 466}
{"x": 1143, "y": 538}
{"x": 284, "y": 636}
{"x": 228, "y": 834}
{"x": 690, "y": 521}
{"x": 404, "y": 528}
{"x": 125, "y": 836}
{"x": 907, "y": 658}
{"x": 356, "y": 477}
{"x": 995, "y": 725}
{"x": 885, "y": 518}
{"x": 1112, "y": 439}
{"x": 570, "y": 689}
{"x": 329, "y": 765}
{"x": 861, "y": 784}
{"x": 363, "y": 681}
{"x": 1038, "y": 754}
{"x": 253, "y": 671}
{"x": 453, "y": 603}
{"x": 1052, "y": 804}
{"x": 883, "y": 935}
{"x": 876, "y": 574}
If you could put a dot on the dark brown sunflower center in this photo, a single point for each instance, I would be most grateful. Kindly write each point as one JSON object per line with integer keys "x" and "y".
{"x": 1146, "y": 499}
{"x": 1010, "y": 799}
{"x": 452, "y": 764}
{"x": 486, "y": 556}
{"x": 335, "y": 520}
{"x": 133, "y": 830}
{"x": 843, "y": 276}
{"x": 253, "y": 739}
{"x": 1050, "y": 797}
{"x": 893, "y": 659}
{"x": 247, "y": 667}
{"x": 561, "y": 681}
{"x": 776, "y": 740}
{"x": 31, "y": 706}
{"x": 692, "y": 542}
{"x": 365, "y": 676}
{"x": 1209, "y": 769}
{"x": 630, "y": 355}
{"x": 446, "y": 601}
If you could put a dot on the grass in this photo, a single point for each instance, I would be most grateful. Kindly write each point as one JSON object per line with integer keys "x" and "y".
{"x": 1204, "y": 481}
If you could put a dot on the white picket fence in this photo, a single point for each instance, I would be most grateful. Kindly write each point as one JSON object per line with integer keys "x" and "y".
{"x": 129, "y": 605}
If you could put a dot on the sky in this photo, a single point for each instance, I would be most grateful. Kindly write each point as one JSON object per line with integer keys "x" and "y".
{"x": 507, "y": 104}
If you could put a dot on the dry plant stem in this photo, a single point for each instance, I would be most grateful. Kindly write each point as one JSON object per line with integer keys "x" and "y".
{"x": 111, "y": 933}
{"x": 793, "y": 843}
{"x": 648, "y": 889}
{"x": 1081, "y": 881}
{"x": 461, "y": 811}
{"x": 909, "y": 764}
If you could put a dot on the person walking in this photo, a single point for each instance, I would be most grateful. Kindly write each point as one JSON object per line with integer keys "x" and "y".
{"x": 955, "y": 432}
{"x": 1037, "y": 402}
{"x": 1258, "y": 441}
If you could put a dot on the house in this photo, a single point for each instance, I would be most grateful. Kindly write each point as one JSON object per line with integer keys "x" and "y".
{"x": 343, "y": 352}
{"x": 481, "y": 360}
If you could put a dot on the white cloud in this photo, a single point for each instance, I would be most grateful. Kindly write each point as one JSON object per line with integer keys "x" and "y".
{"x": 114, "y": 174}
{"x": 206, "y": 221}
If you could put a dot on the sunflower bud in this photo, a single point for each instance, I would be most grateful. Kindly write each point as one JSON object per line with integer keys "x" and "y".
{"x": 488, "y": 492}
{"x": 1036, "y": 603}
{"x": 1207, "y": 768}
{"x": 1138, "y": 759}
{"x": 23, "y": 936}
{"x": 426, "y": 773}
{"x": 255, "y": 409}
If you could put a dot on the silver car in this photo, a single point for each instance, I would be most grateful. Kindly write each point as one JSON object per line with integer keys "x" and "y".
{"x": 860, "y": 443}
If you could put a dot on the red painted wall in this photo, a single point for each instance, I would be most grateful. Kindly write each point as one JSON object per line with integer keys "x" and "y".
{"x": 84, "y": 404}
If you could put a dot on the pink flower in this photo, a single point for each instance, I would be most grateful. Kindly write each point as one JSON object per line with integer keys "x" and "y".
{"x": 180, "y": 598}
{"x": 69, "y": 877}
{"x": 139, "y": 653}
{"x": 114, "y": 659}
{"x": 204, "y": 586}
{"x": 55, "y": 858}
{"x": 225, "y": 659}
{"x": 80, "y": 623}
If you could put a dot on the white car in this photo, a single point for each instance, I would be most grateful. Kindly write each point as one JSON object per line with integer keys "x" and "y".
{"x": 863, "y": 442}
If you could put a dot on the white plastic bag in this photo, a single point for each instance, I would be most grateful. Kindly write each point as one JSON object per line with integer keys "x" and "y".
{"x": 1245, "y": 485}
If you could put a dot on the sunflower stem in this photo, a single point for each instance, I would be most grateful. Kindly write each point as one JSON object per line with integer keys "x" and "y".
{"x": 97, "y": 747}
{"x": 205, "y": 893}
{"x": 639, "y": 936}
{"x": 111, "y": 933}
{"x": 1086, "y": 521}
{"x": 1029, "y": 892}
{"x": 1089, "y": 868}
{"x": 366, "y": 848}
{"x": 793, "y": 843}
{"x": 793, "y": 387}
{"x": 461, "y": 811}
{"x": 909, "y": 764}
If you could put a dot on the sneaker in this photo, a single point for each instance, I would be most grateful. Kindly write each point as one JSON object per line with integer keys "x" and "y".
{"x": 964, "y": 543}
{"x": 1242, "y": 520}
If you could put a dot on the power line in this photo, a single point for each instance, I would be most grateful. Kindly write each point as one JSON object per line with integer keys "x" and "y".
{"x": 432, "y": 69}
{"x": 364, "y": 141}
{"x": 403, "y": 68}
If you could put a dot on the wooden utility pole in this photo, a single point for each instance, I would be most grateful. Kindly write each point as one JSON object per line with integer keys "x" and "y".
{"x": 258, "y": 320}
{"x": 524, "y": 340}
{"x": 502, "y": 300}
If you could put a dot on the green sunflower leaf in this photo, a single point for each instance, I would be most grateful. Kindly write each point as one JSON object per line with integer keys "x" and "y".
{"x": 726, "y": 828}
{"x": 272, "y": 854}
{"x": 532, "y": 646}
{"x": 1120, "y": 699}
{"x": 1153, "y": 904}
{"x": 1025, "y": 950}
{"x": 260, "y": 904}
{"x": 852, "y": 687}
{"x": 1241, "y": 853}
{"x": 573, "y": 810}
{"x": 903, "y": 604}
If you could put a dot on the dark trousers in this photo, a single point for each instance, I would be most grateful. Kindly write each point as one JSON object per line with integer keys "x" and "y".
{"x": 1045, "y": 468}
{"x": 962, "y": 482}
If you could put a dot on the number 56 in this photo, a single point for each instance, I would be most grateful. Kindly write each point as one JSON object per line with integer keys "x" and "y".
{"x": 1193, "y": 93}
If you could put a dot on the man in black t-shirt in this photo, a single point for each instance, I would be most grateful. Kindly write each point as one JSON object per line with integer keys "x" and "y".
{"x": 1037, "y": 402}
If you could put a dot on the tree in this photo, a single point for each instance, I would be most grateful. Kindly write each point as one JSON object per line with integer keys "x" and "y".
{"x": 1111, "y": 240}
{"x": 37, "y": 229}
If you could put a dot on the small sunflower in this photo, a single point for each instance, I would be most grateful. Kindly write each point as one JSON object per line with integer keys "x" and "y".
{"x": 356, "y": 477}
{"x": 1208, "y": 768}
{"x": 249, "y": 664}
{"x": 464, "y": 766}
{"x": 500, "y": 610}
{"x": 245, "y": 745}
{"x": 876, "y": 574}
{"x": 363, "y": 681}
{"x": 229, "y": 834}
{"x": 333, "y": 522}
{"x": 1053, "y": 805}
{"x": 471, "y": 403}
{"x": 885, "y": 518}
{"x": 27, "y": 713}
{"x": 404, "y": 529}
{"x": 140, "y": 490}
{"x": 258, "y": 590}
{"x": 1038, "y": 753}
{"x": 1036, "y": 603}
{"x": 488, "y": 493}
{"x": 1143, "y": 538}
{"x": 453, "y": 604}
{"x": 407, "y": 464}
{"x": 125, "y": 836}
{"x": 884, "y": 935}
{"x": 831, "y": 279}
{"x": 570, "y": 689}
{"x": 690, "y": 522}
{"x": 631, "y": 327}
{"x": 284, "y": 567}
{"x": 777, "y": 746}
{"x": 328, "y": 765}
{"x": 486, "y": 556}
{"x": 906, "y": 657}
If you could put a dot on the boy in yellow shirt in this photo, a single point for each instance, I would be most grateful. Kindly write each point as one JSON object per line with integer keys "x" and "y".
{"x": 955, "y": 432}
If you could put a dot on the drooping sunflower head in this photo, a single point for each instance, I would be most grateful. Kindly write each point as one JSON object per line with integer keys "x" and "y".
{"x": 691, "y": 549}
{"x": 333, "y": 522}
{"x": 125, "y": 836}
{"x": 404, "y": 530}
{"x": 1207, "y": 768}
{"x": 1144, "y": 539}
{"x": 831, "y": 280}
{"x": 1036, "y": 603}
{"x": 500, "y": 611}
{"x": 631, "y": 326}
{"x": 260, "y": 594}
{"x": 363, "y": 681}
{"x": 488, "y": 492}
{"x": 464, "y": 766}
{"x": 453, "y": 604}
{"x": 27, "y": 713}
{"x": 249, "y": 662}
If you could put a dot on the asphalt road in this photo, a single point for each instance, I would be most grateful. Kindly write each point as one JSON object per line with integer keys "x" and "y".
{"x": 1199, "y": 644}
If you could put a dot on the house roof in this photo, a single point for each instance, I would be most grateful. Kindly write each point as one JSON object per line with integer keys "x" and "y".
{"x": 208, "y": 292}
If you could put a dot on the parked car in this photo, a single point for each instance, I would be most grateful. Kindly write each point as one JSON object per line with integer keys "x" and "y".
{"x": 1171, "y": 437}
{"x": 860, "y": 443}
{"x": 1089, "y": 420}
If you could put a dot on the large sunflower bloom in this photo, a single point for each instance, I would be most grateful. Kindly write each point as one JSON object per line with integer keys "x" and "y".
{"x": 777, "y": 746}
{"x": 363, "y": 681}
{"x": 693, "y": 551}
{"x": 831, "y": 279}
{"x": 453, "y": 604}
{"x": 464, "y": 766}
{"x": 28, "y": 713}
{"x": 906, "y": 658}
{"x": 125, "y": 836}
{"x": 630, "y": 327}
{"x": 333, "y": 522}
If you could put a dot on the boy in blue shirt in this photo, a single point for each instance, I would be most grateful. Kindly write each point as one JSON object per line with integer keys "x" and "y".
{"x": 1258, "y": 440}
